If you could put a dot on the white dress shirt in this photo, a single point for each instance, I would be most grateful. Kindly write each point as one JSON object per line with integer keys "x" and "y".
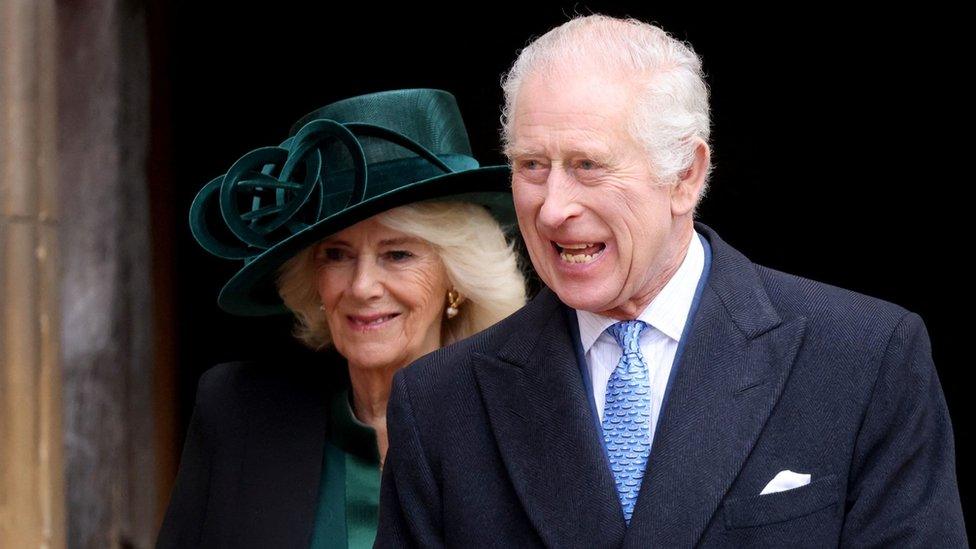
{"x": 665, "y": 317}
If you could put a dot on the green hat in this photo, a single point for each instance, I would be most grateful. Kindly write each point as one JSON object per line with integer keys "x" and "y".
{"x": 343, "y": 163}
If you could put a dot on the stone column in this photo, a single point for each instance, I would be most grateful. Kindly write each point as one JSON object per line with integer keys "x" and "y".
{"x": 32, "y": 512}
{"x": 103, "y": 143}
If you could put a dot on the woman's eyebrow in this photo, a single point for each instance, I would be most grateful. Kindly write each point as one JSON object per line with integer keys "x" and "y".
{"x": 397, "y": 241}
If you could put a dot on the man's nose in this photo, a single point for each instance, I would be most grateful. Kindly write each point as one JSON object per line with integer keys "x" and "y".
{"x": 560, "y": 202}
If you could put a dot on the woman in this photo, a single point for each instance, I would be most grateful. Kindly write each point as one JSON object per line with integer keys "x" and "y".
{"x": 377, "y": 229}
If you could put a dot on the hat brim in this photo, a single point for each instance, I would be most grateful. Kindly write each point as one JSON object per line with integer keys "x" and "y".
{"x": 253, "y": 292}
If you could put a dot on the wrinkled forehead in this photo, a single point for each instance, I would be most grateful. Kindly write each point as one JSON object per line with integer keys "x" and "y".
{"x": 589, "y": 105}
{"x": 563, "y": 77}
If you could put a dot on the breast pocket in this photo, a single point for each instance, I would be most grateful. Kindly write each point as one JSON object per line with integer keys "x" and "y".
{"x": 781, "y": 506}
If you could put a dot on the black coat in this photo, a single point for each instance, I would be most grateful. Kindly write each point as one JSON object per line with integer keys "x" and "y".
{"x": 252, "y": 462}
{"x": 493, "y": 442}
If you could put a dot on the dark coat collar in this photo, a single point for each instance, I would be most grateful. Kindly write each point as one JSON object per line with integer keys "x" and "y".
{"x": 736, "y": 360}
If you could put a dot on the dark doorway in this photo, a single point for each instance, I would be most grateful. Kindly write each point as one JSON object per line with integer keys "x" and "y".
{"x": 832, "y": 143}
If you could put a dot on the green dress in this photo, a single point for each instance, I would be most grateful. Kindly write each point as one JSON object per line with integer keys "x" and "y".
{"x": 349, "y": 492}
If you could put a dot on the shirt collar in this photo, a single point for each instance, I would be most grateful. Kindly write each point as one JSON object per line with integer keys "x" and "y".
{"x": 668, "y": 312}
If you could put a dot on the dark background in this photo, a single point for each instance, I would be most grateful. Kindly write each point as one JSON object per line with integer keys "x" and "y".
{"x": 834, "y": 139}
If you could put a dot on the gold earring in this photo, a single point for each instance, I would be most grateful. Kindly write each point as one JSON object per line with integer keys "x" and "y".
{"x": 453, "y": 301}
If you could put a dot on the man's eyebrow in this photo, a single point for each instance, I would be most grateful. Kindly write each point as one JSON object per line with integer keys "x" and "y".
{"x": 513, "y": 151}
{"x": 596, "y": 153}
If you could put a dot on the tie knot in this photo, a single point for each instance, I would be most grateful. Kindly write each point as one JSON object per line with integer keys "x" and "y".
{"x": 627, "y": 334}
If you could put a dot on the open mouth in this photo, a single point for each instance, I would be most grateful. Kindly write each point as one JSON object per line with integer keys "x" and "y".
{"x": 366, "y": 322}
{"x": 579, "y": 252}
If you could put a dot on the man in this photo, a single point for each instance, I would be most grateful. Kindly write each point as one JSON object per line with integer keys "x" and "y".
{"x": 662, "y": 390}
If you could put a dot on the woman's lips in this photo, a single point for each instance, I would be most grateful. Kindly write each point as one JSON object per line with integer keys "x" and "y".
{"x": 370, "y": 322}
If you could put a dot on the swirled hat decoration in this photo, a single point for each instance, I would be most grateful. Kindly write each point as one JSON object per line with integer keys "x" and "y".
{"x": 342, "y": 164}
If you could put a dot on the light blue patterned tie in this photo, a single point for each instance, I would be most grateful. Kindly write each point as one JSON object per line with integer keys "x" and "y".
{"x": 626, "y": 415}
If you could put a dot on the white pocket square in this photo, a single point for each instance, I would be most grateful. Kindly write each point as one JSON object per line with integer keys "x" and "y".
{"x": 785, "y": 480}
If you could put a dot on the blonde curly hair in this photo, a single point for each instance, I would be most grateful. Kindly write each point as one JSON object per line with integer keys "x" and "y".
{"x": 480, "y": 263}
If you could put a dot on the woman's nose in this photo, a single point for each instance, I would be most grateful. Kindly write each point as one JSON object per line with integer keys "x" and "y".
{"x": 367, "y": 281}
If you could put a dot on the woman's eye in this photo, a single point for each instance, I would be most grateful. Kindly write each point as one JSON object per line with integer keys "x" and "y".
{"x": 587, "y": 165}
{"x": 399, "y": 255}
{"x": 332, "y": 254}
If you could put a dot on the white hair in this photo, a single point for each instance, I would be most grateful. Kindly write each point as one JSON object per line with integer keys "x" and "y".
{"x": 480, "y": 264}
{"x": 673, "y": 107}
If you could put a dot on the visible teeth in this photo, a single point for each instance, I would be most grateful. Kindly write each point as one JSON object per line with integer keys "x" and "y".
{"x": 573, "y": 246}
{"x": 376, "y": 321}
{"x": 578, "y": 258}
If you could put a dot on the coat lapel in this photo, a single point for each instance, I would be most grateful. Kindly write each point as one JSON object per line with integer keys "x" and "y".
{"x": 735, "y": 364}
{"x": 282, "y": 464}
{"x": 541, "y": 419}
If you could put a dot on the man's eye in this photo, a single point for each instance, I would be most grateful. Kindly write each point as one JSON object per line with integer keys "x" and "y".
{"x": 587, "y": 165}
{"x": 531, "y": 165}
{"x": 399, "y": 255}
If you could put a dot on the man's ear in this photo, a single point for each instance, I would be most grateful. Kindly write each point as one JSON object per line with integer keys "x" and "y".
{"x": 685, "y": 193}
